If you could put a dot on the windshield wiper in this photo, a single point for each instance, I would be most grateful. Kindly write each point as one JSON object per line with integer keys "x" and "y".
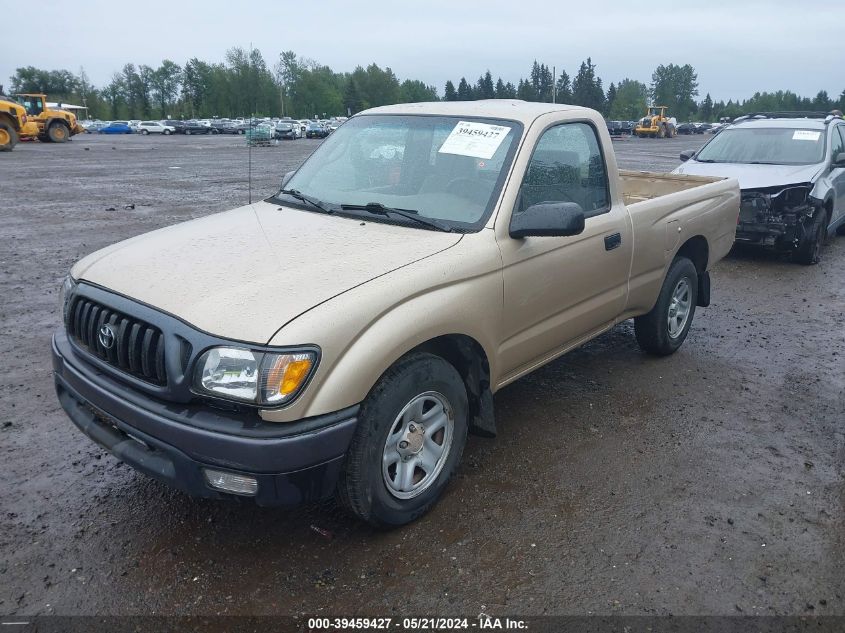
{"x": 706, "y": 160}
{"x": 377, "y": 208}
{"x": 314, "y": 202}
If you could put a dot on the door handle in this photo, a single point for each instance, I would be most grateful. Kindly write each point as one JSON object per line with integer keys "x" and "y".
{"x": 612, "y": 241}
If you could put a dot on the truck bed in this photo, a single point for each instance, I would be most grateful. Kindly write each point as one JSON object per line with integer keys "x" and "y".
{"x": 638, "y": 186}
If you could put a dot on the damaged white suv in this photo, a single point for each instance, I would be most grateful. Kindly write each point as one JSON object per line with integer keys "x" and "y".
{"x": 791, "y": 170}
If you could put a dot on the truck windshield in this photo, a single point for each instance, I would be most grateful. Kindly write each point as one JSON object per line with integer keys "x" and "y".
{"x": 446, "y": 168}
{"x": 765, "y": 146}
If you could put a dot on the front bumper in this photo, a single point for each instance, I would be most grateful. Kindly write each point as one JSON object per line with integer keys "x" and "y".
{"x": 172, "y": 442}
{"x": 778, "y": 236}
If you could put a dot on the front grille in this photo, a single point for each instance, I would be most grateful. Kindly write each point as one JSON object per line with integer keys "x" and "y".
{"x": 137, "y": 348}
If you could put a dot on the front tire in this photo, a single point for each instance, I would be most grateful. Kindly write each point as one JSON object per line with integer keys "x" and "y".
{"x": 58, "y": 133}
{"x": 809, "y": 250}
{"x": 663, "y": 330}
{"x": 409, "y": 440}
{"x": 8, "y": 137}
{"x": 145, "y": 132}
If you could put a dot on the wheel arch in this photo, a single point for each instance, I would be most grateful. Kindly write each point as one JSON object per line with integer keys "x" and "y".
{"x": 467, "y": 355}
{"x": 56, "y": 119}
{"x": 6, "y": 117}
{"x": 828, "y": 207}
{"x": 697, "y": 250}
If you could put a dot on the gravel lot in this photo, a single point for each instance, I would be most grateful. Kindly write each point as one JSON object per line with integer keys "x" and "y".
{"x": 710, "y": 482}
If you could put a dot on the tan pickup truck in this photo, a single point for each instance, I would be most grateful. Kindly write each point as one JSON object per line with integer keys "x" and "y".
{"x": 344, "y": 335}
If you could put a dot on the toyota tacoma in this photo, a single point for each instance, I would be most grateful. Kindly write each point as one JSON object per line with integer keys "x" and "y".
{"x": 343, "y": 336}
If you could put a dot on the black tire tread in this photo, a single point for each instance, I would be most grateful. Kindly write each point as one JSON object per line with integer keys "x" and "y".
{"x": 806, "y": 254}
{"x": 352, "y": 484}
{"x": 53, "y": 126}
{"x": 649, "y": 328}
{"x": 13, "y": 137}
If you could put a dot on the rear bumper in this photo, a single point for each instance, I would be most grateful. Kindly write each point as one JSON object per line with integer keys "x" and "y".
{"x": 293, "y": 463}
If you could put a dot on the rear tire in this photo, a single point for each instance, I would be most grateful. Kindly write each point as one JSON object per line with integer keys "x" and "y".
{"x": 809, "y": 250}
{"x": 372, "y": 485}
{"x": 58, "y": 133}
{"x": 663, "y": 330}
{"x": 8, "y": 137}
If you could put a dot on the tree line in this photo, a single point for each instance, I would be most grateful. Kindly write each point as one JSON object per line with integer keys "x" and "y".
{"x": 244, "y": 84}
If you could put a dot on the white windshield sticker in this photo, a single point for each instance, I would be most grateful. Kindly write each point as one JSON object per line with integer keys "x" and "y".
{"x": 805, "y": 135}
{"x": 479, "y": 140}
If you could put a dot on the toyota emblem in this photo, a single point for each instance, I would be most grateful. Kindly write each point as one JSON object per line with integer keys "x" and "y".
{"x": 106, "y": 337}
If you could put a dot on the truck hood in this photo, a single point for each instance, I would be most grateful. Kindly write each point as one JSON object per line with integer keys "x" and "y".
{"x": 752, "y": 176}
{"x": 245, "y": 273}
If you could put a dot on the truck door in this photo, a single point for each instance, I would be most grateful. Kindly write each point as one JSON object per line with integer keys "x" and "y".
{"x": 558, "y": 290}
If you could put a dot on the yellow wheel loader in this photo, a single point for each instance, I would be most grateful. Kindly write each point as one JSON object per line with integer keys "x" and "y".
{"x": 655, "y": 124}
{"x": 12, "y": 121}
{"x": 46, "y": 124}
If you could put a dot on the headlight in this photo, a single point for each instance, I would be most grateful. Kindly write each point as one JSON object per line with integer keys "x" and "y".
{"x": 250, "y": 376}
{"x": 65, "y": 293}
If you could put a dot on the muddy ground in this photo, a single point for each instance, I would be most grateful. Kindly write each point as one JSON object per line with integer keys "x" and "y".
{"x": 710, "y": 482}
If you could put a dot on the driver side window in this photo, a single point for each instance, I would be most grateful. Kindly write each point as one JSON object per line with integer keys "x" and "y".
{"x": 566, "y": 166}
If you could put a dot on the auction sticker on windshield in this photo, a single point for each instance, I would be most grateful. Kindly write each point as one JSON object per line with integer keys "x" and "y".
{"x": 805, "y": 135}
{"x": 479, "y": 140}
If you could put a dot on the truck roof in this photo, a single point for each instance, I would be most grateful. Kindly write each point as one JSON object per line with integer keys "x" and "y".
{"x": 514, "y": 109}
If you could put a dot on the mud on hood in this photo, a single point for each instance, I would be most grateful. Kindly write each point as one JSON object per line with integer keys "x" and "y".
{"x": 753, "y": 176}
{"x": 244, "y": 273}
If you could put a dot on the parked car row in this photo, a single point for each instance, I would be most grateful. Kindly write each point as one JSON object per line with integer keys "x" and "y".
{"x": 699, "y": 128}
{"x": 285, "y": 128}
{"x": 620, "y": 128}
{"x": 626, "y": 128}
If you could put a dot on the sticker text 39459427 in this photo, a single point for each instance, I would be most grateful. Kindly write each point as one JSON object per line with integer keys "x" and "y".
{"x": 479, "y": 140}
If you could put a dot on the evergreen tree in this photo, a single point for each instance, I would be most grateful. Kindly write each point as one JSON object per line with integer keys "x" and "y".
{"x": 352, "y": 100}
{"x": 822, "y": 102}
{"x": 536, "y": 74}
{"x": 564, "y": 88}
{"x": 525, "y": 91}
{"x": 449, "y": 92}
{"x": 586, "y": 87}
{"x": 545, "y": 85}
{"x": 706, "y": 108}
{"x": 465, "y": 92}
{"x": 611, "y": 97}
{"x": 484, "y": 88}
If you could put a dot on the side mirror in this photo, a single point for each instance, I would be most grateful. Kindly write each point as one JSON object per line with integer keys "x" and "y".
{"x": 548, "y": 219}
{"x": 286, "y": 178}
{"x": 839, "y": 160}
{"x": 687, "y": 154}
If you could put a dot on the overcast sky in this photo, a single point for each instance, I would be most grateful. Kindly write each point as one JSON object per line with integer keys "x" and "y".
{"x": 737, "y": 47}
